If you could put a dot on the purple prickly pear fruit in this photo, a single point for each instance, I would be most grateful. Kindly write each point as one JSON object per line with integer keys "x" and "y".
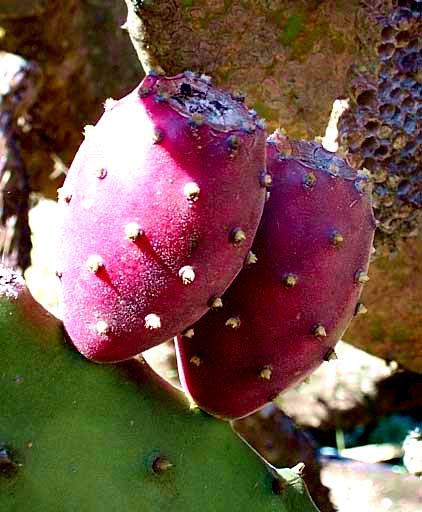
{"x": 284, "y": 313}
{"x": 159, "y": 210}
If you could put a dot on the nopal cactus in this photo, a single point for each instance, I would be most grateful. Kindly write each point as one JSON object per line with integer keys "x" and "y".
{"x": 287, "y": 309}
{"x": 160, "y": 207}
{"x": 75, "y": 435}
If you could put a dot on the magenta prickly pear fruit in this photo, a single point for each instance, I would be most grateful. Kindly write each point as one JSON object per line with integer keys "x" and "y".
{"x": 159, "y": 210}
{"x": 284, "y": 313}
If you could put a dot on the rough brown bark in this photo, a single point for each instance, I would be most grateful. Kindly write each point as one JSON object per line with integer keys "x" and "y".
{"x": 382, "y": 128}
{"x": 290, "y": 58}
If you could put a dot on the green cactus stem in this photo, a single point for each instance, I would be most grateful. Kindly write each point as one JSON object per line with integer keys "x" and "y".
{"x": 76, "y": 435}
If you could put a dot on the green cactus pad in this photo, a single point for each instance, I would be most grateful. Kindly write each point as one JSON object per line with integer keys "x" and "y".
{"x": 79, "y": 436}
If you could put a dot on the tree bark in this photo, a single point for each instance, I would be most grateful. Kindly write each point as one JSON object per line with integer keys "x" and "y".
{"x": 291, "y": 59}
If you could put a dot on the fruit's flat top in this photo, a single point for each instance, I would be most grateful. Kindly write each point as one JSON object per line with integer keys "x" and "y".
{"x": 193, "y": 95}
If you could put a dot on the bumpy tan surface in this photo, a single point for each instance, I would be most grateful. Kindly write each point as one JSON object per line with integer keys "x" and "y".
{"x": 290, "y": 58}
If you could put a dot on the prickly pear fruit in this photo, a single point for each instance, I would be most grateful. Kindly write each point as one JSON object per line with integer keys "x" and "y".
{"x": 160, "y": 207}
{"x": 284, "y": 313}
{"x": 76, "y": 435}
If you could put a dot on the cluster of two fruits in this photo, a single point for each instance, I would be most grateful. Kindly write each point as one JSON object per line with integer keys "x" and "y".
{"x": 164, "y": 206}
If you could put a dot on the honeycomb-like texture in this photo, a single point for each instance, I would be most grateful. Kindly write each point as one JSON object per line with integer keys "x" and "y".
{"x": 382, "y": 128}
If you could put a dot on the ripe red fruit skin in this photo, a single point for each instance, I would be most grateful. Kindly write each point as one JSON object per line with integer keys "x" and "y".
{"x": 158, "y": 211}
{"x": 283, "y": 314}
